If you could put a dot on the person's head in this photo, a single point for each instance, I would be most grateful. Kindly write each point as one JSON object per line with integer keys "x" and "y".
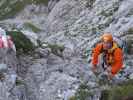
{"x": 107, "y": 40}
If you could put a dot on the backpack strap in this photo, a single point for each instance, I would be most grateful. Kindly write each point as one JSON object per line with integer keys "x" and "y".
{"x": 115, "y": 46}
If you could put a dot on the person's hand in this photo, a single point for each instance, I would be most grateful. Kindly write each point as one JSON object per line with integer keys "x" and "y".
{"x": 109, "y": 69}
{"x": 110, "y": 75}
{"x": 94, "y": 68}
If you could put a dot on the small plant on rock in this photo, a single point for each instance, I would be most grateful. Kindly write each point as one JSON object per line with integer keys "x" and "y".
{"x": 82, "y": 93}
{"x": 22, "y": 43}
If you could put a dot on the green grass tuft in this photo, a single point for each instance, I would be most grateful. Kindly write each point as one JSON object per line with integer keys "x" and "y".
{"x": 19, "y": 82}
{"x": 82, "y": 93}
{"x": 9, "y": 9}
{"x": 118, "y": 92}
{"x": 32, "y": 27}
{"x": 57, "y": 49}
{"x": 22, "y": 43}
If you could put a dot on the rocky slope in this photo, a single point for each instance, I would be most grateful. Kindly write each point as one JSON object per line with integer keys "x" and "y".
{"x": 66, "y": 29}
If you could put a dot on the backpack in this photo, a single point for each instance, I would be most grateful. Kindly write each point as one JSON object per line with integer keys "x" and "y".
{"x": 121, "y": 43}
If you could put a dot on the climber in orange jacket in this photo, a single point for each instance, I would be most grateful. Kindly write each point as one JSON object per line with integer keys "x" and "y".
{"x": 113, "y": 55}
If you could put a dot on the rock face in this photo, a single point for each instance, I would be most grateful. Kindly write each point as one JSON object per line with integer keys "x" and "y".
{"x": 53, "y": 78}
{"x": 75, "y": 24}
{"x": 73, "y": 21}
{"x": 51, "y": 4}
{"x": 8, "y": 75}
{"x": 61, "y": 13}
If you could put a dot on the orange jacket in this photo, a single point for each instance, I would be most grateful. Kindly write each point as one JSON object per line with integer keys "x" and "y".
{"x": 118, "y": 58}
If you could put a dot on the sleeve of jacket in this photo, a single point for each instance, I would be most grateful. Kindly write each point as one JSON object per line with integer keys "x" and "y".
{"x": 118, "y": 58}
{"x": 95, "y": 54}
